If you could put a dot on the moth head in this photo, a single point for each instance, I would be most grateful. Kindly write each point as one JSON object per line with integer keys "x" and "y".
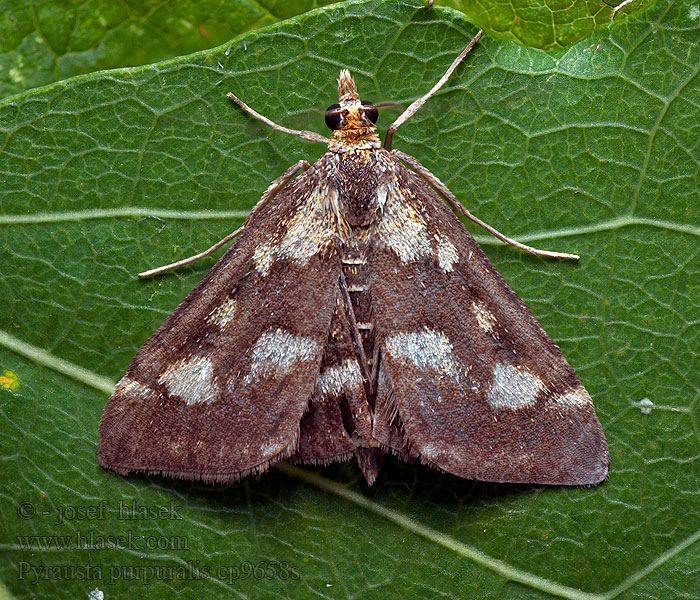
{"x": 351, "y": 119}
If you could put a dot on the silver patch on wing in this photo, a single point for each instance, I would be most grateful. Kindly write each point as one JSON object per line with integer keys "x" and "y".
{"x": 575, "y": 398}
{"x": 275, "y": 352}
{"x": 334, "y": 380}
{"x": 222, "y": 314}
{"x": 310, "y": 230}
{"x": 427, "y": 349}
{"x": 192, "y": 379}
{"x": 405, "y": 231}
{"x": 513, "y": 387}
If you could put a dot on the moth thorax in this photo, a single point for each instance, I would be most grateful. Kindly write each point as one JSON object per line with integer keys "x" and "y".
{"x": 357, "y": 183}
{"x": 360, "y": 210}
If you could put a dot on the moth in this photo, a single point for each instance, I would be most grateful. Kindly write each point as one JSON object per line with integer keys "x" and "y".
{"x": 354, "y": 316}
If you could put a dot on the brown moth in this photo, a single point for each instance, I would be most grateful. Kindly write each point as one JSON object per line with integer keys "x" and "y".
{"x": 354, "y": 316}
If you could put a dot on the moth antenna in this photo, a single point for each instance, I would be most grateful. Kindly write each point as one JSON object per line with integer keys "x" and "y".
{"x": 310, "y": 136}
{"x": 191, "y": 259}
{"x": 458, "y": 207}
{"x": 411, "y": 110}
{"x": 270, "y": 193}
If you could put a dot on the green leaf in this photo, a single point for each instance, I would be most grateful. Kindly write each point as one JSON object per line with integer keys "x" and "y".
{"x": 594, "y": 150}
{"x": 42, "y": 42}
{"x": 546, "y": 25}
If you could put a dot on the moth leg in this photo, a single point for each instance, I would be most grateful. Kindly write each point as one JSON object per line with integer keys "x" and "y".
{"x": 356, "y": 336}
{"x": 458, "y": 207}
{"x": 277, "y": 185}
{"x": 191, "y": 259}
{"x": 411, "y": 110}
{"x": 310, "y": 136}
{"x": 374, "y": 377}
{"x": 370, "y": 456}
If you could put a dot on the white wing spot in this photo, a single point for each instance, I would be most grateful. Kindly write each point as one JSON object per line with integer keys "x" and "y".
{"x": 446, "y": 253}
{"x": 223, "y": 313}
{"x": 311, "y": 230}
{"x": 276, "y": 351}
{"x": 484, "y": 317}
{"x": 575, "y": 398}
{"x": 263, "y": 257}
{"x": 427, "y": 349}
{"x": 134, "y": 389}
{"x": 513, "y": 387}
{"x": 192, "y": 379}
{"x": 403, "y": 230}
{"x": 345, "y": 376}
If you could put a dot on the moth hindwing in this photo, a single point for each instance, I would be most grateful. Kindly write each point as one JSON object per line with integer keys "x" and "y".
{"x": 353, "y": 316}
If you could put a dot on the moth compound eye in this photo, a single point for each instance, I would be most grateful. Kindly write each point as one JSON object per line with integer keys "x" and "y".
{"x": 371, "y": 114}
{"x": 333, "y": 117}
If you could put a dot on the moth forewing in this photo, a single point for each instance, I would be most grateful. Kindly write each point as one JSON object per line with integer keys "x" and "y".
{"x": 469, "y": 381}
{"x": 220, "y": 389}
{"x": 354, "y": 315}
